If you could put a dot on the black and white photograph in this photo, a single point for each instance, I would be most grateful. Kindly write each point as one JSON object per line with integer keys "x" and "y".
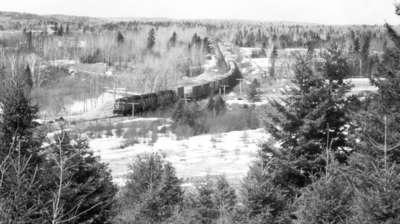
{"x": 200, "y": 112}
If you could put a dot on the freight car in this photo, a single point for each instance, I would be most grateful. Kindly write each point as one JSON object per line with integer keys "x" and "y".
{"x": 195, "y": 90}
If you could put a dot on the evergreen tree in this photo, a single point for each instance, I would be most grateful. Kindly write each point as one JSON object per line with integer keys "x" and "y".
{"x": 376, "y": 188}
{"x": 19, "y": 116}
{"x": 189, "y": 115}
{"x": 120, "y": 38}
{"x": 67, "y": 29}
{"x": 172, "y": 41}
{"x": 152, "y": 191}
{"x": 29, "y": 38}
{"x": 206, "y": 45}
{"x": 356, "y": 45}
{"x": 60, "y": 30}
{"x": 27, "y": 77}
{"x": 239, "y": 39}
{"x": 208, "y": 210}
{"x": 314, "y": 113}
{"x": 250, "y": 40}
{"x": 273, "y": 57}
{"x": 21, "y": 189}
{"x": 269, "y": 190}
{"x": 327, "y": 200}
{"x": 252, "y": 92}
{"x": 87, "y": 193}
{"x": 364, "y": 53}
{"x": 211, "y": 105}
{"x": 151, "y": 39}
{"x": 219, "y": 105}
{"x": 310, "y": 120}
{"x": 383, "y": 104}
{"x": 225, "y": 197}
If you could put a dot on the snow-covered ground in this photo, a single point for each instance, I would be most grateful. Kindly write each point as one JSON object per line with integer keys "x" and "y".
{"x": 361, "y": 84}
{"x": 99, "y": 107}
{"x": 227, "y": 154}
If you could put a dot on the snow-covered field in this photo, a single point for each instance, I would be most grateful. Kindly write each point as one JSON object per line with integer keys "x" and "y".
{"x": 227, "y": 154}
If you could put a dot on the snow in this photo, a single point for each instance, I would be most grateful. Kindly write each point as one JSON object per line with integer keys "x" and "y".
{"x": 247, "y": 102}
{"x": 63, "y": 62}
{"x": 91, "y": 69}
{"x": 93, "y": 108}
{"x": 361, "y": 85}
{"x": 227, "y": 154}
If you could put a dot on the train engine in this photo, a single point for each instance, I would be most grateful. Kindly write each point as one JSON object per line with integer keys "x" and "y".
{"x": 143, "y": 102}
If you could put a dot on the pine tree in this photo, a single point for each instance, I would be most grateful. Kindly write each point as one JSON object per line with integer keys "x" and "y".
{"x": 314, "y": 113}
{"x": 376, "y": 188}
{"x": 29, "y": 39}
{"x": 211, "y": 105}
{"x": 384, "y": 103}
{"x": 239, "y": 39}
{"x": 364, "y": 53}
{"x": 120, "y": 38}
{"x": 225, "y": 196}
{"x": 21, "y": 189}
{"x": 327, "y": 200}
{"x": 152, "y": 191}
{"x": 151, "y": 39}
{"x": 250, "y": 40}
{"x": 253, "y": 93}
{"x": 208, "y": 210}
{"x": 19, "y": 116}
{"x": 309, "y": 120}
{"x": 219, "y": 105}
{"x": 67, "y": 29}
{"x": 87, "y": 187}
{"x": 356, "y": 45}
{"x": 207, "y": 45}
{"x": 27, "y": 77}
{"x": 60, "y": 30}
{"x": 172, "y": 41}
{"x": 273, "y": 57}
{"x": 269, "y": 189}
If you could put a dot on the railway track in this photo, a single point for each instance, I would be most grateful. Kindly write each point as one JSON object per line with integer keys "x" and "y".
{"x": 224, "y": 80}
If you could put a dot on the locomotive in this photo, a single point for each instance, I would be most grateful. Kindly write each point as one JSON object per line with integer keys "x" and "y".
{"x": 191, "y": 90}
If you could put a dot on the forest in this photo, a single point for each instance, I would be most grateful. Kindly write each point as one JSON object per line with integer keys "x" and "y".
{"x": 298, "y": 141}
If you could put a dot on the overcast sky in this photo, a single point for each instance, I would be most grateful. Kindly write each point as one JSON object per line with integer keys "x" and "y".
{"x": 316, "y": 11}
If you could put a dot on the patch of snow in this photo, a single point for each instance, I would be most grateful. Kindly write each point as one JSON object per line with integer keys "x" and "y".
{"x": 99, "y": 107}
{"x": 227, "y": 154}
{"x": 246, "y": 102}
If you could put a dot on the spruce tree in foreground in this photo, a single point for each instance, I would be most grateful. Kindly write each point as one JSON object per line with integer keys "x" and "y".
{"x": 152, "y": 192}
{"x": 314, "y": 115}
{"x": 86, "y": 192}
{"x": 19, "y": 116}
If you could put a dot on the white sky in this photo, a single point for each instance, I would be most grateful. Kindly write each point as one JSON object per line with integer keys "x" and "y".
{"x": 316, "y": 11}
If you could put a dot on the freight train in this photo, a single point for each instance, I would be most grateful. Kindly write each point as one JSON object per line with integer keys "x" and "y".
{"x": 193, "y": 89}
